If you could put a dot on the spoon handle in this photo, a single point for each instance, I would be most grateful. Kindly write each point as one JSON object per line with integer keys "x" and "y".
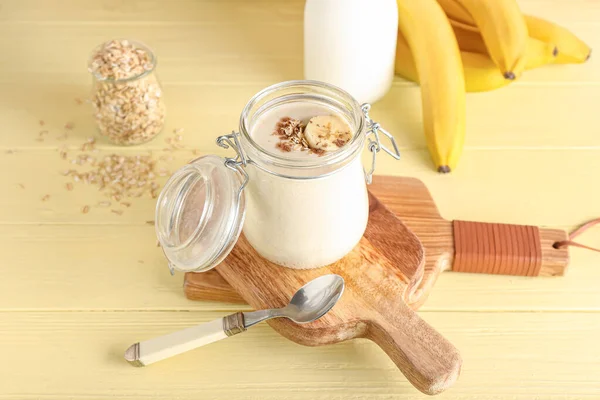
{"x": 254, "y": 317}
{"x": 150, "y": 351}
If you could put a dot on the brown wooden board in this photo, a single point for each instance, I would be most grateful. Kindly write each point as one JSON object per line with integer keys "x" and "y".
{"x": 410, "y": 200}
{"x": 380, "y": 273}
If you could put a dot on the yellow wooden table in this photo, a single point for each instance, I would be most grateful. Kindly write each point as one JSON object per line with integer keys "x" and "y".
{"x": 77, "y": 289}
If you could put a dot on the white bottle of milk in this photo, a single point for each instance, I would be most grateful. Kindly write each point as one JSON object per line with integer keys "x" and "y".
{"x": 351, "y": 44}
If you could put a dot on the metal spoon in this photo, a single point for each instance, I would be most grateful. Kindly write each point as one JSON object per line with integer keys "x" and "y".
{"x": 309, "y": 303}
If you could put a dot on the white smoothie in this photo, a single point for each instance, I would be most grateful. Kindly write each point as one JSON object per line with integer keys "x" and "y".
{"x": 303, "y": 223}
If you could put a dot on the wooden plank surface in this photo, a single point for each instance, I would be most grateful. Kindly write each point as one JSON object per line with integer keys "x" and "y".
{"x": 490, "y": 185}
{"x": 507, "y": 358}
{"x": 399, "y": 111}
{"x": 78, "y": 289}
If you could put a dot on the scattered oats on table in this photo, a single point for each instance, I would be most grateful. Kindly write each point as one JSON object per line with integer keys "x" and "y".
{"x": 118, "y": 177}
{"x": 85, "y": 209}
{"x": 89, "y": 144}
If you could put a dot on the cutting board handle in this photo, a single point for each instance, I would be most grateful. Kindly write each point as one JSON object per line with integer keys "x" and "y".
{"x": 429, "y": 361}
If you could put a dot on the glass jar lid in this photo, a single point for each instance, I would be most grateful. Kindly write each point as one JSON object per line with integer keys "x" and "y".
{"x": 200, "y": 213}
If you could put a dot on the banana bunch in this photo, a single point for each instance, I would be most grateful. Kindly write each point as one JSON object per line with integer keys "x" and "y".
{"x": 455, "y": 46}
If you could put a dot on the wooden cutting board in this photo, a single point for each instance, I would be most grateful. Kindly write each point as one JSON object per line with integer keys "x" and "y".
{"x": 410, "y": 200}
{"x": 379, "y": 274}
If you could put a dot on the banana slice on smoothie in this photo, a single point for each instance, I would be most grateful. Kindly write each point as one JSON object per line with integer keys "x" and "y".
{"x": 327, "y": 132}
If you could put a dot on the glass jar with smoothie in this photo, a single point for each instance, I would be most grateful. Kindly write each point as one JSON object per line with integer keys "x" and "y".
{"x": 296, "y": 186}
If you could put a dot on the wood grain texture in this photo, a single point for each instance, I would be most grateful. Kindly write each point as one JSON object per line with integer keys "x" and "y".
{"x": 210, "y": 286}
{"x": 409, "y": 199}
{"x": 74, "y": 295}
{"x": 271, "y": 367}
{"x": 379, "y": 273}
{"x": 471, "y": 186}
{"x": 220, "y": 103}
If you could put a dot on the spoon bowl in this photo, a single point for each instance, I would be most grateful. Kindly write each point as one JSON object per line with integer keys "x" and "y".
{"x": 315, "y": 299}
{"x": 310, "y": 302}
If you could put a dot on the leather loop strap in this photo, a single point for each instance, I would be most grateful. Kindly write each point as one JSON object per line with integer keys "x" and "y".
{"x": 577, "y": 232}
{"x": 502, "y": 249}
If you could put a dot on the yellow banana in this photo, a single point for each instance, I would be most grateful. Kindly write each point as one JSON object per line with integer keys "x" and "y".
{"x": 405, "y": 63}
{"x": 468, "y": 37}
{"x": 457, "y": 11}
{"x": 537, "y": 53}
{"x": 571, "y": 49}
{"x": 502, "y": 27}
{"x": 480, "y": 72}
{"x": 439, "y": 67}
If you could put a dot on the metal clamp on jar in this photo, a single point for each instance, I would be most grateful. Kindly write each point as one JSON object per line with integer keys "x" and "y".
{"x": 296, "y": 212}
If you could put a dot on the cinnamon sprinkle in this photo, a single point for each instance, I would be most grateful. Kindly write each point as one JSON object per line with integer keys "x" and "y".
{"x": 284, "y": 146}
{"x": 340, "y": 142}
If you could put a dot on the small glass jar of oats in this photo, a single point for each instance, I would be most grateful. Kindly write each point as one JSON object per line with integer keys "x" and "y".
{"x": 126, "y": 95}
